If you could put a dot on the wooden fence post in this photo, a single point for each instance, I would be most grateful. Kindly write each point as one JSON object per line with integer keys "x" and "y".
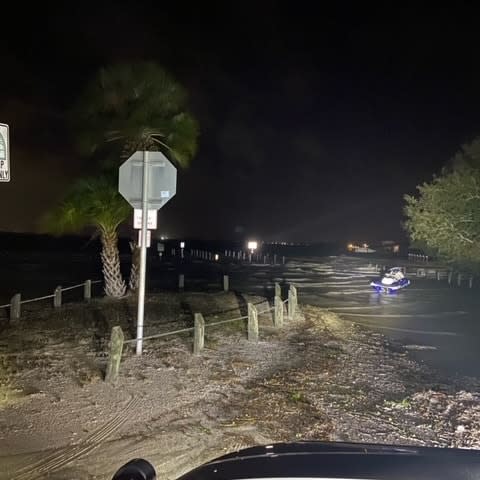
{"x": 226, "y": 283}
{"x": 181, "y": 281}
{"x": 278, "y": 290}
{"x": 450, "y": 274}
{"x": 283, "y": 260}
{"x": 198, "y": 334}
{"x": 459, "y": 279}
{"x": 87, "y": 290}
{"x": 470, "y": 281}
{"x": 290, "y": 306}
{"x": 57, "y": 297}
{"x": 15, "y": 307}
{"x": 252, "y": 323}
{"x": 295, "y": 301}
{"x": 116, "y": 347}
{"x": 278, "y": 312}
{"x": 438, "y": 275}
{"x": 292, "y": 302}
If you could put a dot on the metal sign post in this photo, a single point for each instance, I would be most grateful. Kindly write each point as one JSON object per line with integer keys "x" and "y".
{"x": 143, "y": 257}
{"x": 148, "y": 181}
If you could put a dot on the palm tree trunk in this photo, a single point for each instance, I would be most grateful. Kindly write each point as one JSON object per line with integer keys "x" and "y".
{"x": 135, "y": 268}
{"x": 114, "y": 283}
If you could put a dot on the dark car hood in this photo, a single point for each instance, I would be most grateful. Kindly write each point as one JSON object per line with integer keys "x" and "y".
{"x": 341, "y": 460}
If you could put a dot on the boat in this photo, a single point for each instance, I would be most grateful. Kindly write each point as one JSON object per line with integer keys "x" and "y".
{"x": 392, "y": 280}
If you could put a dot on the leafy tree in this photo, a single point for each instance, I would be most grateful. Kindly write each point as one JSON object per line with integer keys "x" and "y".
{"x": 130, "y": 107}
{"x": 446, "y": 213}
{"x": 95, "y": 202}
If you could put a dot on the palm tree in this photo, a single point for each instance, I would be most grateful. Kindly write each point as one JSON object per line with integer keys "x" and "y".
{"x": 95, "y": 202}
{"x": 130, "y": 107}
{"x": 136, "y": 107}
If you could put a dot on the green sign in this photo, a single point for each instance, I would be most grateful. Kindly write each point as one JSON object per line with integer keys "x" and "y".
{"x": 4, "y": 154}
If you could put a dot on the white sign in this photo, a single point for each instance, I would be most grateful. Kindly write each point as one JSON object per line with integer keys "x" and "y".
{"x": 151, "y": 219}
{"x": 161, "y": 179}
{"x": 149, "y": 238}
{"x": 182, "y": 244}
{"x": 4, "y": 153}
{"x": 161, "y": 247}
{"x": 252, "y": 245}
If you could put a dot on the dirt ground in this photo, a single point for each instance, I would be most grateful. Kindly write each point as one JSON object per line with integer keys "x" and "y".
{"x": 319, "y": 377}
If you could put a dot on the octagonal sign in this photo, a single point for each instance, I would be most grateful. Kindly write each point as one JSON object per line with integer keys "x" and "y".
{"x": 162, "y": 180}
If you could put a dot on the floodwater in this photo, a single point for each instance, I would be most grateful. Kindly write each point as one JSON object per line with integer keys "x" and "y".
{"x": 439, "y": 323}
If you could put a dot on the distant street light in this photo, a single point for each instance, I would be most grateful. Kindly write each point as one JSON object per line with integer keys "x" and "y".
{"x": 252, "y": 246}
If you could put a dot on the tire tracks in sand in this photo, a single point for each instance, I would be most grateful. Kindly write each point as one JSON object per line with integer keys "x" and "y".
{"x": 62, "y": 457}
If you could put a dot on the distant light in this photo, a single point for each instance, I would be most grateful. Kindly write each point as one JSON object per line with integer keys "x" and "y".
{"x": 216, "y": 257}
{"x": 182, "y": 244}
{"x": 162, "y": 238}
{"x": 365, "y": 245}
{"x": 350, "y": 246}
{"x": 252, "y": 245}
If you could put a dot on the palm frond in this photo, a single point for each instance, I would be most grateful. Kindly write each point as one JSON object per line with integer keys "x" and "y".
{"x": 93, "y": 202}
{"x": 140, "y": 106}
{"x": 67, "y": 217}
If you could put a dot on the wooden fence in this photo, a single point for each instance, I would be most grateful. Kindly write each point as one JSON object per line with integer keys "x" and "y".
{"x": 16, "y": 302}
{"x": 117, "y": 340}
{"x": 239, "y": 256}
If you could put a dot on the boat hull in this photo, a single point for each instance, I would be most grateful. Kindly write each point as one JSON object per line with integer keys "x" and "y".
{"x": 381, "y": 287}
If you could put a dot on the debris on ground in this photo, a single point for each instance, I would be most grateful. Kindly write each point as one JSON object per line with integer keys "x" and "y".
{"x": 320, "y": 377}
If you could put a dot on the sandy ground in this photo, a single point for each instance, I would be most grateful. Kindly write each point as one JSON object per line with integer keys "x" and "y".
{"x": 320, "y": 377}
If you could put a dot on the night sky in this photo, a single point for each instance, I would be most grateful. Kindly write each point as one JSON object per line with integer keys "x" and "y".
{"x": 314, "y": 121}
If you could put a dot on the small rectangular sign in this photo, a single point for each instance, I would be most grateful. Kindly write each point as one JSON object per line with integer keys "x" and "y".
{"x": 4, "y": 153}
{"x": 151, "y": 219}
{"x": 161, "y": 247}
{"x": 149, "y": 238}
